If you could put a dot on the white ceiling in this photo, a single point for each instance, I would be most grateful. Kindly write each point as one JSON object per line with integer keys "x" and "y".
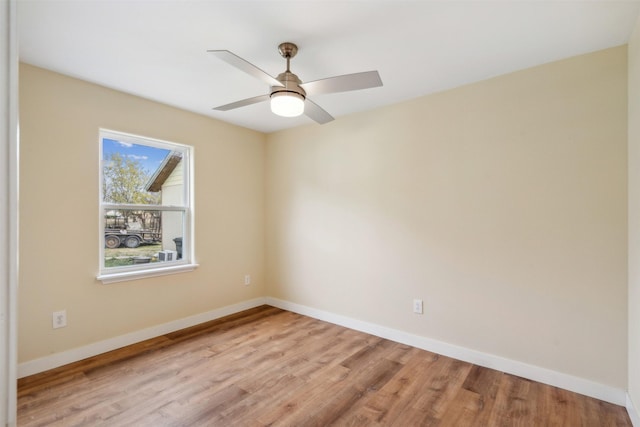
{"x": 157, "y": 49}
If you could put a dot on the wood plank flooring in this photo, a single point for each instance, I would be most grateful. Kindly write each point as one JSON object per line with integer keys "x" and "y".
{"x": 268, "y": 367}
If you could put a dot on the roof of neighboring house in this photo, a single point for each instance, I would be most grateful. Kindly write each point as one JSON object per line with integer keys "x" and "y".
{"x": 164, "y": 170}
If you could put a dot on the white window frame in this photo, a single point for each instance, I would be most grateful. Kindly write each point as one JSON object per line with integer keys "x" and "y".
{"x": 140, "y": 271}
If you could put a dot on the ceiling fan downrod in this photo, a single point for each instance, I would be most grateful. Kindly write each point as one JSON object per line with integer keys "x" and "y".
{"x": 290, "y": 81}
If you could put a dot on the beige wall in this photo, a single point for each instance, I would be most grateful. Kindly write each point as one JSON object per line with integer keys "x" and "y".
{"x": 59, "y": 119}
{"x": 502, "y": 204}
{"x": 634, "y": 217}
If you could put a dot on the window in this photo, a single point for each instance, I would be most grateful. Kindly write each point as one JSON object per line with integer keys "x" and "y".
{"x": 145, "y": 207}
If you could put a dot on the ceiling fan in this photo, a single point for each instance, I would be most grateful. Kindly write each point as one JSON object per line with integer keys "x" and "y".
{"x": 288, "y": 95}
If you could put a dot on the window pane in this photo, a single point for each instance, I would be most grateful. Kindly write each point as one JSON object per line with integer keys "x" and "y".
{"x": 141, "y": 236}
{"x": 129, "y": 171}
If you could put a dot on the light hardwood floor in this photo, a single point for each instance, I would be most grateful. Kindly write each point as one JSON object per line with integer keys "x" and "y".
{"x": 268, "y": 367}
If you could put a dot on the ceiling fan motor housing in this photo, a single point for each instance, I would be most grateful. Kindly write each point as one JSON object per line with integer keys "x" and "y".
{"x": 290, "y": 84}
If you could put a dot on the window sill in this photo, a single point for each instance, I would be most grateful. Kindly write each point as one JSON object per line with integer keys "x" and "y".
{"x": 143, "y": 274}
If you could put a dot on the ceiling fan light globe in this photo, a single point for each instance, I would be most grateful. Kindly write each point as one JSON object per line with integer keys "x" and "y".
{"x": 287, "y": 104}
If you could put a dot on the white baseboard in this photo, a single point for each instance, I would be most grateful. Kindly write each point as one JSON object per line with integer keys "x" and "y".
{"x": 59, "y": 359}
{"x": 633, "y": 412}
{"x": 543, "y": 375}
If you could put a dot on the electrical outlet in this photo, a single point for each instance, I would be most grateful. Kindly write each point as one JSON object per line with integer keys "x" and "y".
{"x": 417, "y": 306}
{"x": 59, "y": 319}
{"x": 247, "y": 279}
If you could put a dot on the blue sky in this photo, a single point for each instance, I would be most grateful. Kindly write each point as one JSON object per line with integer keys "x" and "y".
{"x": 149, "y": 157}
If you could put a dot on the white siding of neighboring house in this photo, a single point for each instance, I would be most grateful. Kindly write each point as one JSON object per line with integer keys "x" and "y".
{"x": 172, "y": 194}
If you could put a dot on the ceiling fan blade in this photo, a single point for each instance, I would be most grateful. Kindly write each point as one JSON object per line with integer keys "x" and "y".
{"x": 247, "y": 67}
{"x": 242, "y": 103}
{"x": 343, "y": 83}
{"x": 316, "y": 113}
